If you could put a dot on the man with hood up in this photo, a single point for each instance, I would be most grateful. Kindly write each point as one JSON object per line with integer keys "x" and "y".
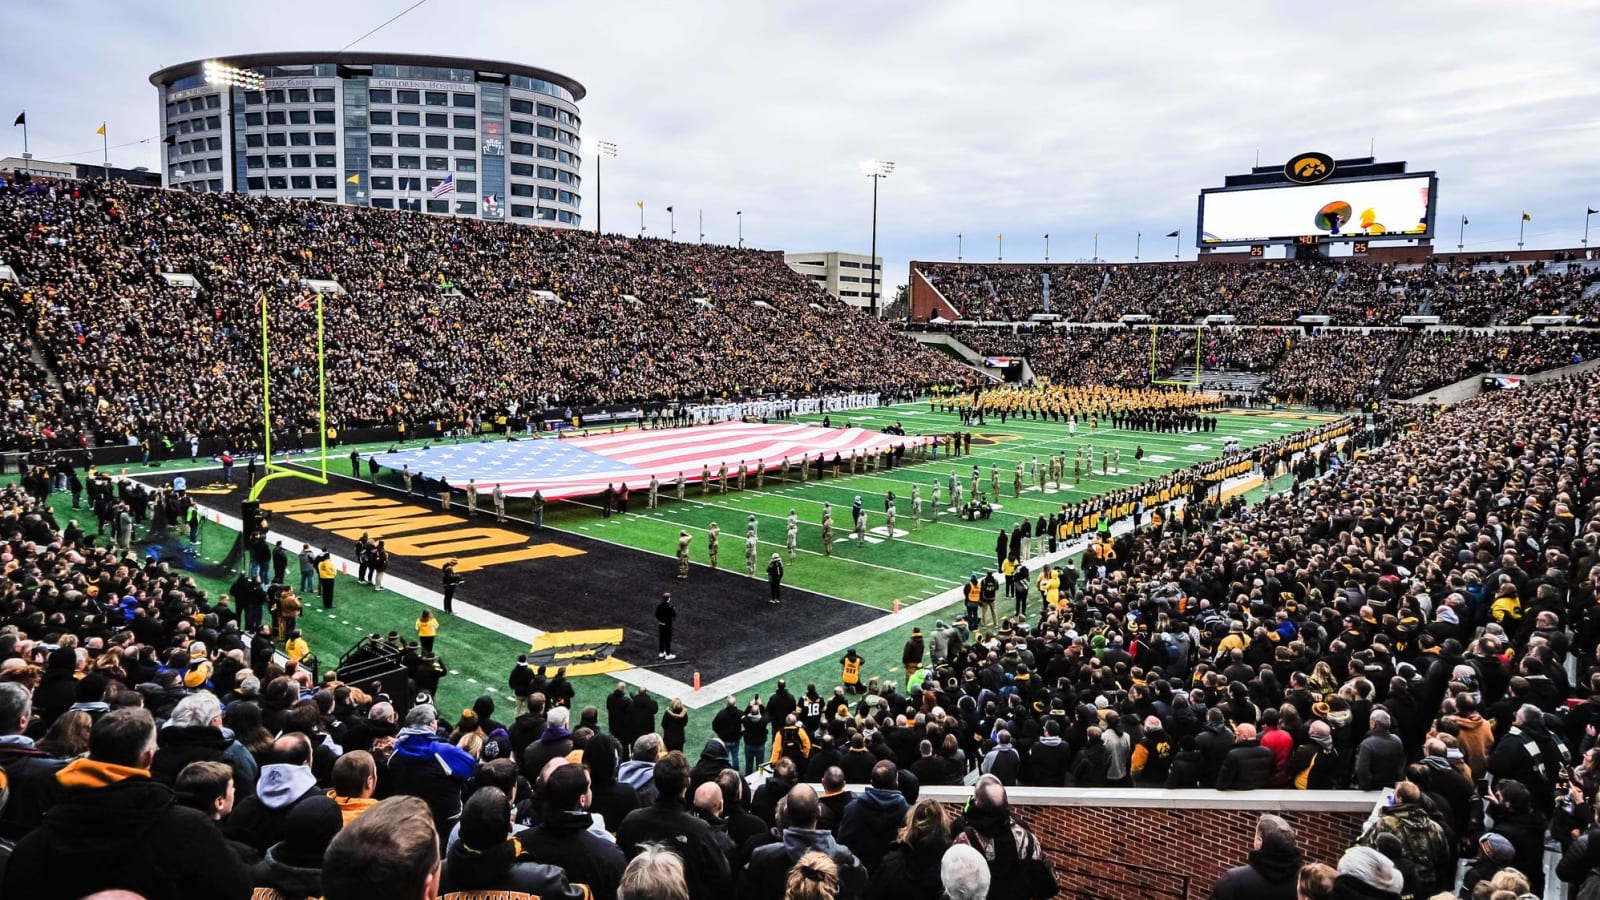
{"x": 487, "y": 860}
{"x": 113, "y": 828}
{"x": 1273, "y": 870}
{"x": 427, "y": 767}
{"x": 713, "y": 759}
{"x": 293, "y": 866}
{"x": 564, "y": 836}
{"x": 764, "y": 877}
{"x": 259, "y": 820}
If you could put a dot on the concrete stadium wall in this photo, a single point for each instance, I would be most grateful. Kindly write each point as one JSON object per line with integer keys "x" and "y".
{"x": 1467, "y": 388}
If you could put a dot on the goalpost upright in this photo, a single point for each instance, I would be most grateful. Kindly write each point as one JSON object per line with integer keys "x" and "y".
{"x": 1155, "y": 334}
{"x": 272, "y": 469}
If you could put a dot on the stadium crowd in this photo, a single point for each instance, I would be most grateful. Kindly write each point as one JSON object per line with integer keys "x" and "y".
{"x": 1270, "y": 292}
{"x": 1338, "y": 370}
{"x": 1123, "y": 357}
{"x": 1438, "y": 358}
{"x": 1399, "y": 618}
{"x": 438, "y": 318}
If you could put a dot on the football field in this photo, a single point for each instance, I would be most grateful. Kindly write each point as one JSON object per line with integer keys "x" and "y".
{"x": 742, "y": 644}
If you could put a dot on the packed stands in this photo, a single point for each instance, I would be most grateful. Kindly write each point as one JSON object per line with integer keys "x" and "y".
{"x": 1271, "y": 292}
{"x": 1335, "y": 369}
{"x": 1399, "y": 615}
{"x": 1443, "y": 357}
{"x": 439, "y": 319}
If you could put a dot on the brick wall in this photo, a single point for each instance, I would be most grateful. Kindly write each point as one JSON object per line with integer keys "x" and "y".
{"x": 1170, "y": 845}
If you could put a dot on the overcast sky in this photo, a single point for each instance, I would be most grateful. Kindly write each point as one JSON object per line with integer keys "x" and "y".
{"x": 1014, "y": 118}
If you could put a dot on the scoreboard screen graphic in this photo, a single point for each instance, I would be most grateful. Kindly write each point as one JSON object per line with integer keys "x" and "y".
{"x": 1353, "y": 210}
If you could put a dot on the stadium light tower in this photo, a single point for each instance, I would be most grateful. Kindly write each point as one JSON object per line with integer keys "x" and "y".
{"x": 606, "y": 148}
{"x": 877, "y": 170}
{"x": 221, "y": 74}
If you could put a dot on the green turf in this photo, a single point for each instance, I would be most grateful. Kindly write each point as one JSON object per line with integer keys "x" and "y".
{"x": 910, "y": 568}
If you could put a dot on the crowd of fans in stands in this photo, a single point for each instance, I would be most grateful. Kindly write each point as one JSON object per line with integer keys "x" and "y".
{"x": 1438, "y": 358}
{"x": 441, "y": 319}
{"x": 1403, "y": 621}
{"x": 1272, "y": 292}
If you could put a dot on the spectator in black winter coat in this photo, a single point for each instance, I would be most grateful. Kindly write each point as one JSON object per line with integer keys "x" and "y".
{"x": 726, "y": 725}
{"x": 610, "y": 798}
{"x": 1530, "y": 754}
{"x": 910, "y": 870}
{"x": 765, "y": 875}
{"x": 1186, "y": 765}
{"x": 1089, "y": 769}
{"x": 1515, "y": 819}
{"x": 642, "y": 714}
{"x": 713, "y": 759}
{"x": 486, "y": 859}
{"x": 875, "y": 816}
{"x": 668, "y": 821}
{"x": 764, "y": 804}
{"x": 1381, "y": 758}
{"x": 1273, "y": 872}
{"x": 781, "y": 704}
{"x": 563, "y": 839}
{"x": 1212, "y": 742}
{"x": 618, "y": 720}
{"x": 1048, "y": 758}
{"x": 114, "y": 828}
{"x": 1248, "y": 765}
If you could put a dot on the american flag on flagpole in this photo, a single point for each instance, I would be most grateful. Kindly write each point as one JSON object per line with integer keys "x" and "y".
{"x": 447, "y": 186}
{"x": 583, "y": 466}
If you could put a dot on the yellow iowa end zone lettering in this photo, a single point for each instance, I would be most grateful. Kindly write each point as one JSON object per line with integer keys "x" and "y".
{"x": 350, "y": 514}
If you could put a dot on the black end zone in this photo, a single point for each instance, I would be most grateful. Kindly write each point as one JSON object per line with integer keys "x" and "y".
{"x": 724, "y": 623}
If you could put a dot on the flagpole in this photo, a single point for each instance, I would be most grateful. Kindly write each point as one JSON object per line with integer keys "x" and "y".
{"x": 1096, "y": 257}
{"x": 958, "y": 248}
{"x": 1047, "y": 248}
{"x": 1138, "y": 239}
{"x": 105, "y": 151}
{"x": 702, "y": 226}
{"x": 1522, "y": 225}
{"x": 1461, "y": 238}
{"x": 1587, "y": 214}
{"x": 1177, "y": 243}
{"x": 1000, "y": 247}
{"x": 24, "y": 118}
{"x": 672, "y": 225}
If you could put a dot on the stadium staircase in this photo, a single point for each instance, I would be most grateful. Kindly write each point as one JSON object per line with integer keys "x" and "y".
{"x": 40, "y": 360}
{"x": 1381, "y": 390}
{"x": 1233, "y": 381}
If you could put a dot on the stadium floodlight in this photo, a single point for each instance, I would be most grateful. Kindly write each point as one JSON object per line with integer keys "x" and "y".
{"x": 604, "y": 148}
{"x": 220, "y": 73}
{"x": 877, "y": 170}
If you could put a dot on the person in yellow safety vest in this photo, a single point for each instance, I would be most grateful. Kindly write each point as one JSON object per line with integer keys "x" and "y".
{"x": 1050, "y": 586}
{"x": 1008, "y": 568}
{"x": 792, "y": 741}
{"x": 850, "y": 673}
{"x": 296, "y": 647}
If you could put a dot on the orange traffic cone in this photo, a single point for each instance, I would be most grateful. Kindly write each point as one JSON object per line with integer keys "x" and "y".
{"x": 897, "y": 604}
{"x": 697, "y": 682}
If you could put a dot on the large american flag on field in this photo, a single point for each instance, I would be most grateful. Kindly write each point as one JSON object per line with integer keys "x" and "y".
{"x": 583, "y": 466}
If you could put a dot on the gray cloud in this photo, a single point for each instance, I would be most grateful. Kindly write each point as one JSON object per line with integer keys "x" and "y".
{"x": 1022, "y": 118}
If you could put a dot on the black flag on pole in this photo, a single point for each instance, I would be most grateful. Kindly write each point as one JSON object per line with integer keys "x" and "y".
{"x": 22, "y": 119}
{"x": 1172, "y": 234}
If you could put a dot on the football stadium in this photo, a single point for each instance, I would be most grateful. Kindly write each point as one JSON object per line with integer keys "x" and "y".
{"x": 379, "y": 521}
